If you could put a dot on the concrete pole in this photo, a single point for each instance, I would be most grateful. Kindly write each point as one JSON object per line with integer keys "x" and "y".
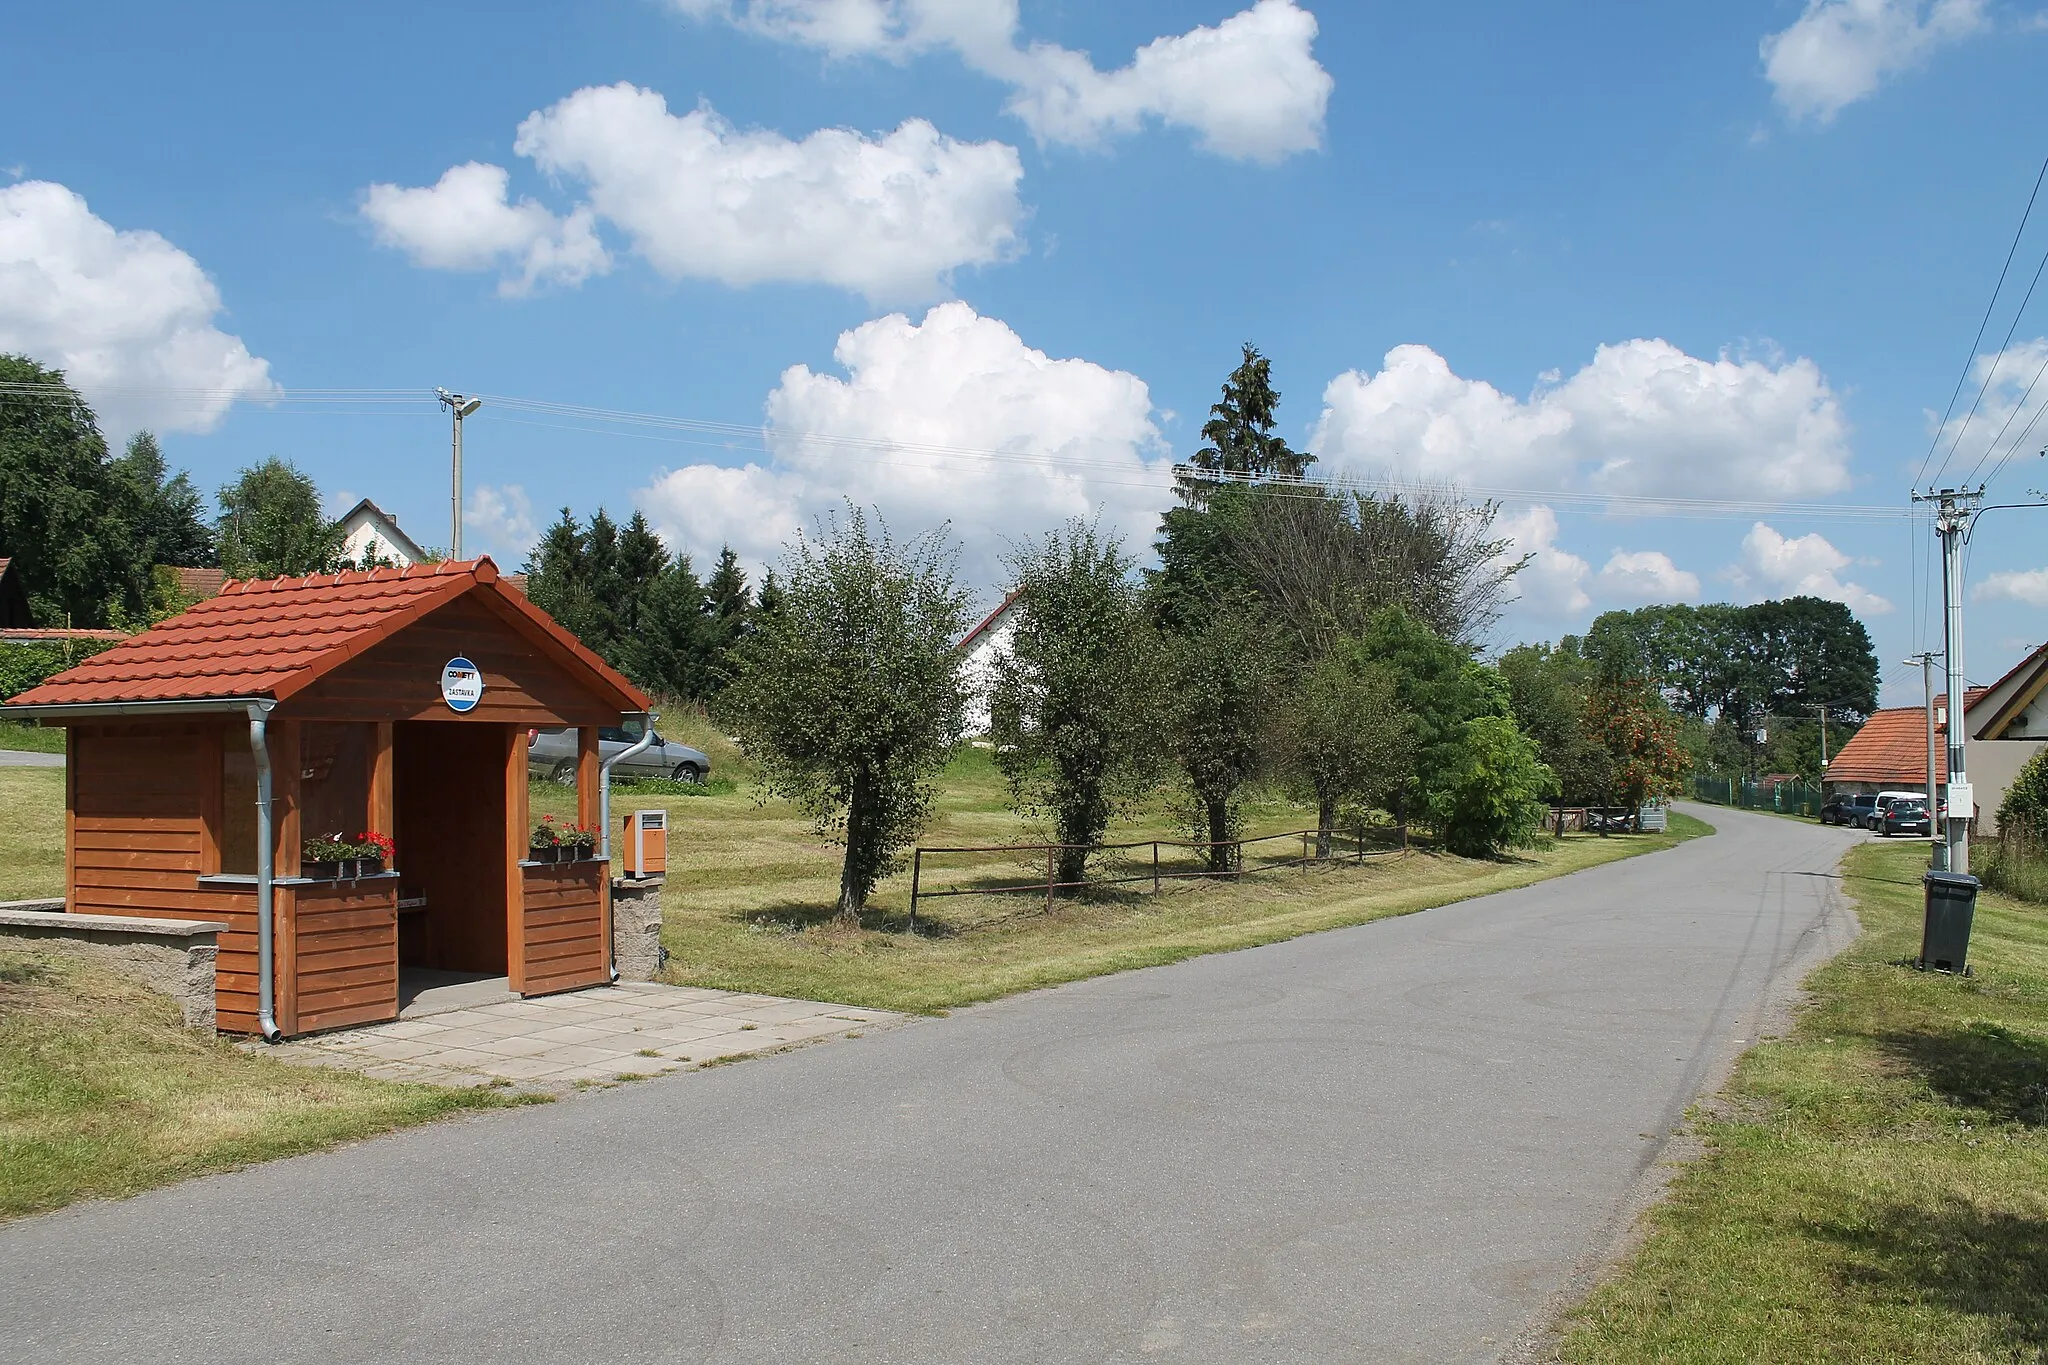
{"x": 1953, "y": 525}
{"x": 455, "y": 532}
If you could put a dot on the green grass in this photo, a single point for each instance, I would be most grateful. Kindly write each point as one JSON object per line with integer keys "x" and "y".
{"x": 31, "y": 833}
{"x": 1876, "y": 1183}
{"x": 751, "y": 891}
{"x": 34, "y": 738}
{"x": 105, "y": 1093}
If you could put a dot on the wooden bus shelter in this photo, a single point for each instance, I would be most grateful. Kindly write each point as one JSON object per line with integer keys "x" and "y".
{"x": 207, "y": 750}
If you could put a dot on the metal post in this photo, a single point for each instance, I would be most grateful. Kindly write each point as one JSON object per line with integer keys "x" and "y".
{"x": 1952, "y": 524}
{"x": 459, "y": 407}
{"x": 1050, "y": 853}
{"x": 916, "y": 875}
{"x": 1155, "y": 867}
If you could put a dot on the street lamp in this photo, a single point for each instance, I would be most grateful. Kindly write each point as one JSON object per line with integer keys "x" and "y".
{"x": 461, "y": 407}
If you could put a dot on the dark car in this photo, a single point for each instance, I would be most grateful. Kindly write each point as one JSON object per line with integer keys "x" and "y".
{"x": 1850, "y": 810}
{"x": 1905, "y": 817}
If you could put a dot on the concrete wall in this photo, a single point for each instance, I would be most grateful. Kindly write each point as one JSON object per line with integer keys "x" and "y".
{"x": 636, "y": 927}
{"x": 175, "y": 956}
{"x": 1993, "y": 763}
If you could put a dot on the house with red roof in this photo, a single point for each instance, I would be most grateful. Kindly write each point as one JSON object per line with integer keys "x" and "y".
{"x": 1890, "y": 752}
{"x": 220, "y": 762}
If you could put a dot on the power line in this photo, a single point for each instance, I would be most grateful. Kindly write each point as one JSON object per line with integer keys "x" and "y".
{"x": 2004, "y": 349}
{"x": 1971, "y": 357}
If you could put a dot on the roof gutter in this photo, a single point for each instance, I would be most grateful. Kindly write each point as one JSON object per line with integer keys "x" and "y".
{"x": 266, "y": 877}
{"x": 604, "y": 818}
{"x": 94, "y": 710}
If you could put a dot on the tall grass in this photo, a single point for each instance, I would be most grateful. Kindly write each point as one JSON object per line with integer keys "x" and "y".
{"x": 2014, "y": 863}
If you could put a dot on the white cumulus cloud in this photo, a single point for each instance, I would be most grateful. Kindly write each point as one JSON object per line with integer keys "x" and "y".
{"x": 1552, "y": 583}
{"x": 1250, "y": 87}
{"x": 1840, "y": 51}
{"x": 498, "y": 521}
{"x": 467, "y": 221}
{"x": 1775, "y": 565}
{"x": 2007, "y": 420}
{"x": 1641, "y": 577}
{"x": 2028, "y": 586}
{"x": 952, "y": 418}
{"x": 889, "y": 217}
{"x": 121, "y": 312}
{"x": 1642, "y": 418}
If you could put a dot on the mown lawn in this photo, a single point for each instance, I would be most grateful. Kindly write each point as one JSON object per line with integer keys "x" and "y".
{"x": 34, "y": 738}
{"x": 104, "y": 1092}
{"x": 751, "y": 891}
{"x": 31, "y": 833}
{"x": 1876, "y": 1185}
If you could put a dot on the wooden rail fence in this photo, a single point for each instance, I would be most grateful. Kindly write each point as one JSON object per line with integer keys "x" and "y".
{"x": 1360, "y": 851}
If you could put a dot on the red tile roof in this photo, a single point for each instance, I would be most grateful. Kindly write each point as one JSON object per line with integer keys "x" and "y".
{"x": 199, "y": 583}
{"x": 275, "y": 637}
{"x": 1892, "y": 747}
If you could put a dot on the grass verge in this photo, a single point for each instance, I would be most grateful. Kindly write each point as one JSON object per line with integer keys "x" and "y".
{"x": 1876, "y": 1183}
{"x": 104, "y": 1092}
{"x": 750, "y": 892}
{"x": 31, "y": 833}
{"x": 34, "y": 738}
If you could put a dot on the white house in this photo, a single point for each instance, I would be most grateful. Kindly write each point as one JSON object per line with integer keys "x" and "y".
{"x": 981, "y": 645}
{"x": 2008, "y": 724}
{"x": 374, "y": 538}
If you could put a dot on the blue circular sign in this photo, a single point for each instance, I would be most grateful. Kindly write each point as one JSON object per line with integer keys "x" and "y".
{"x": 462, "y": 684}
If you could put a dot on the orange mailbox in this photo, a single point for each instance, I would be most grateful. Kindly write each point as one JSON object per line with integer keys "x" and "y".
{"x": 646, "y": 852}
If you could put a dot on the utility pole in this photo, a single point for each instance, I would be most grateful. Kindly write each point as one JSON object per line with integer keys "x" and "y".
{"x": 1823, "y": 709}
{"x": 1953, "y": 510}
{"x": 1926, "y": 660}
{"x": 461, "y": 407}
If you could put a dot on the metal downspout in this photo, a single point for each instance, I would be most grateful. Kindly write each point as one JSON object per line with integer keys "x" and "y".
{"x": 604, "y": 814}
{"x": 266, "y": 891}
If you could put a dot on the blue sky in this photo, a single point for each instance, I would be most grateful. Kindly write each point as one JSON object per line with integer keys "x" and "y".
{"x": 965, "y": 259}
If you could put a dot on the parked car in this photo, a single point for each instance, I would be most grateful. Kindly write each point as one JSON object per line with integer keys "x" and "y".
{"x": 1850, "y": 810}
{"x": 552, "y": 754}
{"x": 1905, "y": 817}
{"x": 1885, "y": 801}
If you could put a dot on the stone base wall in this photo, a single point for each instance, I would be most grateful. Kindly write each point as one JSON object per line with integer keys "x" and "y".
{"x": 173, "y": 956}
{"x": 636, "y": 927}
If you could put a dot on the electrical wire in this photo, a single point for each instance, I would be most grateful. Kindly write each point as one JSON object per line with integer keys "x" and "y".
{"x": 2020, "y": 442}
{"x": 1971, "y": 357}
{"x": 2004, "y": 349}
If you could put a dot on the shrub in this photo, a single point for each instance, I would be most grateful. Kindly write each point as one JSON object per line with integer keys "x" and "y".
{"x": 1491, "y": 796}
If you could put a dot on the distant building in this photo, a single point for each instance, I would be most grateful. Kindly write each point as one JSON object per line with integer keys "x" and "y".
{"x": 1890, "y": 752}
{"x": 2008, "y": 724}
{"x": 198, "y": 585}
{"x": 980, "y": 646}
{"x": 373, "y": 537}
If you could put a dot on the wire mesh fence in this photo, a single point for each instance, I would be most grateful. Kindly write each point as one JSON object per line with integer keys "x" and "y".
{"x": 1034, "y": 869}
{"x": 1785, "y": 797}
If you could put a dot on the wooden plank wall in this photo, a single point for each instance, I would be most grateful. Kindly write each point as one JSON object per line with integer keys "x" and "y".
{"x": 563, "y": 927}
{"x": 400, "y": 679}
{"x": 138, "y": 841}
{"x": 344, "y": 958}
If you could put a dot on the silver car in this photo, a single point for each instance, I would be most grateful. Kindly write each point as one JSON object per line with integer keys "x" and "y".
{"x": 552, "y": 754}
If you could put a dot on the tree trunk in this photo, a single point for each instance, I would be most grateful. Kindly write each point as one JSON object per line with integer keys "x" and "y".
{"x": 1326, "y": 823}
{"x": 853, "y": 889}
{"x": 1219, "y": 830}
{"x": 1073, "y": 865}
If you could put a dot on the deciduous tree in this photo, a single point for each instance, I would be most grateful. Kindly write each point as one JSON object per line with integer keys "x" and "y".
{"x": 272, "y": 524}
{"x": 849, "y": 697}
{"x": 1074, "y": 699}
{"x": 1345, "y": 736}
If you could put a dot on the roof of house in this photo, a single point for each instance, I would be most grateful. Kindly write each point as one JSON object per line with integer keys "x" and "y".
{"x": 21, "y": 635}
{"x": 990, "y": 621}
{"x": 1892, "y": 746}
{"x": 393, "y": 536}
{"x": 275, "y": 637}
{"x": 2016, "y": 690}
{"x": 199, "y": 583}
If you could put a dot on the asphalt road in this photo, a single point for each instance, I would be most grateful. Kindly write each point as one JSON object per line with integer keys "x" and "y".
{"x": 23, "y": 758}
{"x": 1389, "y": 1143}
